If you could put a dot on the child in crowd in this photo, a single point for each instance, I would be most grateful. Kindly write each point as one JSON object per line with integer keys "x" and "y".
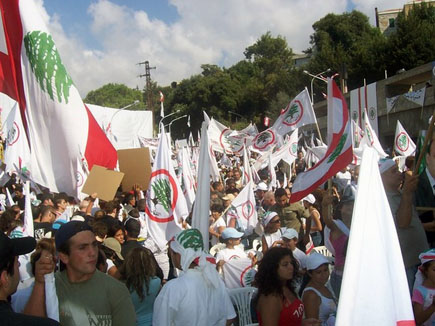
{"x": 231, "y": 237}
{"x": 290, "y": 240}
{"x": 217, "y": 223}
{"x": 424, "y": 293}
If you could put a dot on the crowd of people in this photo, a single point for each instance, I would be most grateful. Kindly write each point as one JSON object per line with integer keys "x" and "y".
{"x": 106, "y": 269}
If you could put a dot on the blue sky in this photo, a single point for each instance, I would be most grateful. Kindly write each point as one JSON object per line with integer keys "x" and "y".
{"x": 100, "y": 41}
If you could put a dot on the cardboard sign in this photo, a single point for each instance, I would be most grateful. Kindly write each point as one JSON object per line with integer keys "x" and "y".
{"x": 135, "y": 163}
{"x": 102, "y": 181}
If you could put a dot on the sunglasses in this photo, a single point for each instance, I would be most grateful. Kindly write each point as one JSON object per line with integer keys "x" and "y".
{"x": 275, "y": 221}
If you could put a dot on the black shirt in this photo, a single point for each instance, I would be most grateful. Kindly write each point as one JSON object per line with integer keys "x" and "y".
{"x": 10, "y": 318}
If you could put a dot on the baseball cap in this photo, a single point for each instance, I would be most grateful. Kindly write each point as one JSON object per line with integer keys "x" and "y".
{"x": 290, "y": 234}
{"x": 314, "y": 260}
{"x": 231, "y": 233}
{"x": 310, "y": 198}
{"x": 113, "y": 244}
{"x": 68, "y": 230}
{"x": 228, "y": 197}
{"x": 14, "y": 247}
{"x": 261, "y": 186}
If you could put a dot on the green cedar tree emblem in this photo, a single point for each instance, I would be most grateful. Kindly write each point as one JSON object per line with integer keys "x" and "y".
{"x": 162, "y": 192}
{"x": 291, "y": 112}
{"x": 47, "y": 66}
{"x": 403, "y": 141}
{"x": 294, "y": 148}
{"x": 263, "y": 137}
{"x": 191, "y": 238}
{"x": 338, "y": 149}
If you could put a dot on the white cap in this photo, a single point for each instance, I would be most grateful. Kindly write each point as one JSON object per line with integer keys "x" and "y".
{"x": 314, "y": 260}
{"x": 310, "y": 198}
{"x": 290, "y": 234}
{"x": 261, "y": 186}
{"x": 385, "y": 164}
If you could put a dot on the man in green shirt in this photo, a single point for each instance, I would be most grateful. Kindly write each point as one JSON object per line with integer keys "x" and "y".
{"x": 86, "y": 296}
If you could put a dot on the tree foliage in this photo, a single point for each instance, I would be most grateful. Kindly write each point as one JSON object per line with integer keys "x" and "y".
{"x": 116, "y": 96}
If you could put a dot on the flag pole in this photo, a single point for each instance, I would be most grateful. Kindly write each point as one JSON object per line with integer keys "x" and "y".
{"x": 425, "y": 143}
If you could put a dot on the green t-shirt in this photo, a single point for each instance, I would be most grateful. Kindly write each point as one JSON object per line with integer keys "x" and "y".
{"x": 291, "y": 215}
{"x": 99, "y": 301}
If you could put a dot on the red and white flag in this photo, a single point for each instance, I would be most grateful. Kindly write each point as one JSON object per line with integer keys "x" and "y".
{"x": 339, "y": 152}
{"x": 265, "y": 140}
{"x": 299, "y": 112}
{"x": 17, "y": 151}
{"x": 162, "y": 109}
{"x": 58, "y": 124}
{"x": 244, "y": 205}
{"x": 374, "y": 290}
{"x": 370, "y": 139}
{"x": 82, "y": 173}
{"x": 247, "y": 173}
{"x": 238, "y": 272}
{"x": 289, "y": 152}
{"x": 403, "y": 144}
{"x": 165, "y": 202}
{"x": 222, "y": 139}
{"x": 187, "y": 178}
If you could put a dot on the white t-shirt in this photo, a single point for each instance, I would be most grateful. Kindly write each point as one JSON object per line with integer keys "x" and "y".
{"x": 187, "y": 300}
{"x": 272, "y": 237}
{"x": 227, "y": 254}
{"x": 216, "y": 225}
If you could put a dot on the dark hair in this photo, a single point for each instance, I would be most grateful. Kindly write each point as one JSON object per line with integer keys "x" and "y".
{"x": 100, "y": 229}
{"x": 141, "y": 203}
{"x": 19, "y": 188}
{"x": 280, "y": 192}
{"x": 134, "y": 213}
{"x": 8, "y": 265}
{"x": 6, "y": 220}
{"x": 58, "y": 198}
{"x": 43, "y": 244}
{"x": 138, "y": 268}
{"x": 113, "y": 229}
{"x": 267, "y": 279}
{"x": 215, "y": 184}
{"x": 217, "y": 208}
{"x": 425, "y": 267}
{"x": 110, "y": 206}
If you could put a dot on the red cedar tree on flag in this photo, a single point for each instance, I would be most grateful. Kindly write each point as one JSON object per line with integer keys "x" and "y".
{"x": 58, "y": 124}
{"x": 403, "y": 144}
{"x": 165, "y": 202}
{"x": 374, "y": 290}
{"x": 339, "y": 152}
{"x": 299, "y": 112}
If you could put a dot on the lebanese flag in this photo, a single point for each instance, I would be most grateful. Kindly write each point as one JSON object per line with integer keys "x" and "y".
{"x": 165, "y": 202}
{"x": 58, "y": 124}
{"x": 403, "y": 144}
{"x": 299, "y": 112}
{"x": 339, "y": 152}
{"x": 244, "y": 205}
{"x": 374, "y": 290}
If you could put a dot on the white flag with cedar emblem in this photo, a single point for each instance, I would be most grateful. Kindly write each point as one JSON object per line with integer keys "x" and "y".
{"x": 339, "y": 152}
{"x": 265, "y": 141}
{"x": 289, "y": 152}
{"x": 244, "y": 205}
{"x": 165, "y": 202}
{"x": 238, "y": 272}
{"x": 403, "y": 144}
{"x": 223, "y": 139}
{"x": 58, "y": 124}
{"x": 299, "y": 112}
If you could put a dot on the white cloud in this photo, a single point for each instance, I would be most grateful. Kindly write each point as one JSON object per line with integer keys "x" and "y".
{"x": 213, "y": 32}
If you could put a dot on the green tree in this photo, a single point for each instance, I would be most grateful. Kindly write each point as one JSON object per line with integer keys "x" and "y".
{"x": 116, "y": 96}
{"x": 413, "y": 43}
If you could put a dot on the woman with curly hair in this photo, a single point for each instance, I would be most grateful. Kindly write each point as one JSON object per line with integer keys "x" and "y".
{"x": 277, "y": 303}
{"x": 140, "y": 275}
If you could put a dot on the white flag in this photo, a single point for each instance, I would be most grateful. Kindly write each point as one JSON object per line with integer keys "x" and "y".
{"x": 17, "y": 152}
{"x": 266, "y": 140}
{"x": 238, "y": 272}
{"x": 244, "y": 205}
{"x": 223, "y": 139}
{"x": 162, "y": 109}
{"x": 288, "y": 152}
{"x": 28, "y": 229}
{"x": 82, "y": 173}
{"x": 200, "y": 214}
{"x": 370, "y": 139}
{"x": 165, "y": 203}
{"x": 299, "y": 112}
{"x": 374, "y": 290}
{"x": 403, "y": 144}
{"x": 247, "y": 174}
{"x": 187, "y": 179}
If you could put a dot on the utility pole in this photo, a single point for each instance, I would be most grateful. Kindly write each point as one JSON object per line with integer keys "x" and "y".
{"x": 147, "y": 76}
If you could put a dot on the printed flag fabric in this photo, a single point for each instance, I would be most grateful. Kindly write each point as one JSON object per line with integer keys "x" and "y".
{"x": 244, "y": 205}
{"x": 17, "y": 152}
{"x": 165, "y": 203}
{"x": 403, "y": 144}
{"x": 299, "y": 112}
{"x": 162, "y": 109}
{"x": 223, "y": 139}
{"x": 28, "y": 229}
{"x": 339, "y": 152}
{"x": 201, "y": 209}
{"x": 364, "y": 99}
{"x": 238, "y": 272}
{"x": 187, "y": 179}
{"x": 247, "y": 173}
{"x": 370, "y": 139}
{"x": 288, "y": 152}
{"x": 374, "y": 290}
{"x": 265, "y": 141}
{"x": 58, "y": 124}
{"x": 82, "y": 173}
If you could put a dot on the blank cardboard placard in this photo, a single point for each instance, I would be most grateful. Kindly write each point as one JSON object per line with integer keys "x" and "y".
{"x": 136, "y": 165}
{"x": 102, "y": 181}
